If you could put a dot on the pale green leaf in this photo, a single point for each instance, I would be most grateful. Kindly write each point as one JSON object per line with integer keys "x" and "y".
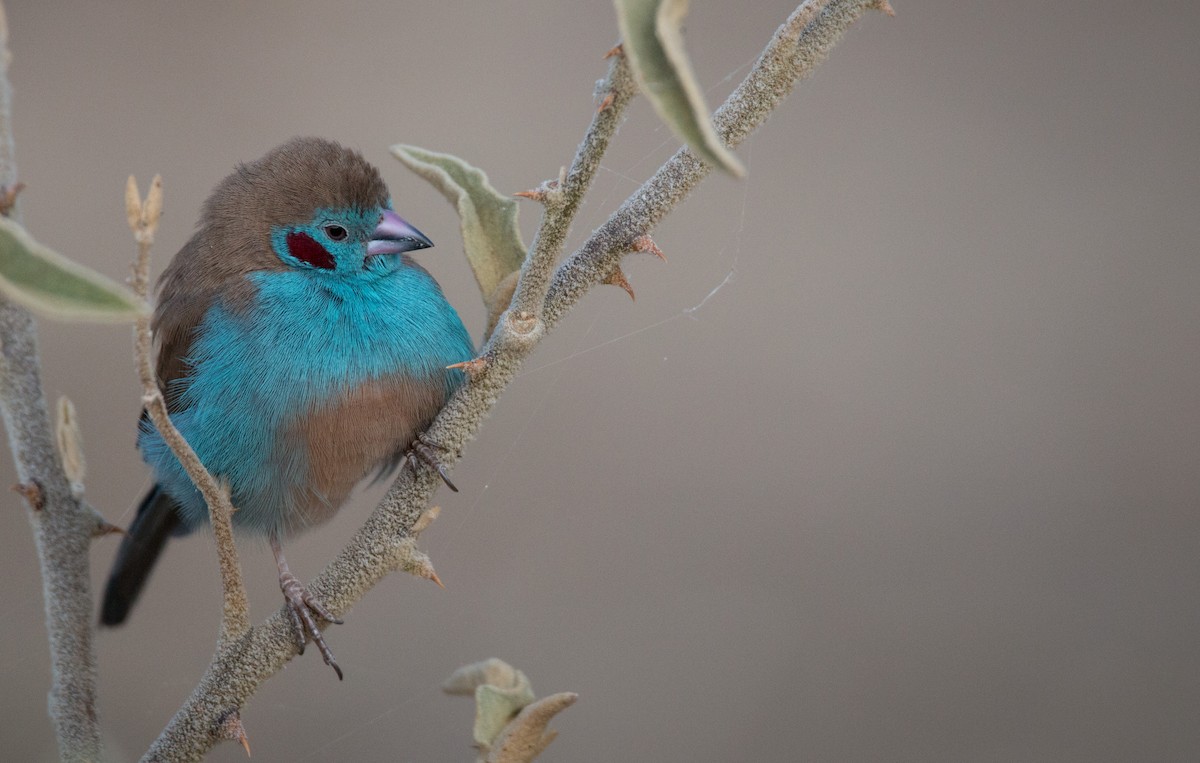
{"x": 491, "y": 236}
{"x": 496, "y": 706}
{"x": 650, "y": 30}
{"x": 493, "y": 670}
{"x": 500, "y": 692}
{"x": 34, "y": 276}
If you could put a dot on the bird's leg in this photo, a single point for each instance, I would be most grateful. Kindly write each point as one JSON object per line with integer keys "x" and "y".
{"x": 301, "y": 606}
{"x": 424, "y": 450}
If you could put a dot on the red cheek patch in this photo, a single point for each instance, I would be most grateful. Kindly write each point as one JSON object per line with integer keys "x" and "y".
{"x": 304, "y": 248}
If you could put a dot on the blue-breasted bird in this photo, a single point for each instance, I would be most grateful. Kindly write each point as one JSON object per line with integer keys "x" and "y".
{"x": 300, "y": 350}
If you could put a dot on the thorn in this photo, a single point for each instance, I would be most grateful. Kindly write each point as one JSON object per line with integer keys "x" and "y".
{"x": 886, "y": 7}
{"x": 617, "y": 278}
{"x": 609, "y": 97}
{"x": 616, "y": 50}
{"x": 104, "y": 527}
{"x": 434, "y": 577}
{"x": 230, "y": 727}
{"x": 8, "y": 197}
{"x": 426, "y": 519}
{"x": 473, "y": 367}
{"x": 644, "y": 243}
{"x": 32, "y": 491}
{"x": 547, "y": 192}
{"x": 419, "y": 565}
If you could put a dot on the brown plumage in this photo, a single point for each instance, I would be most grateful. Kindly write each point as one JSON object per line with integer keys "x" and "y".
{"x": 233, "y": 237}
{"x": 300, "y": 350}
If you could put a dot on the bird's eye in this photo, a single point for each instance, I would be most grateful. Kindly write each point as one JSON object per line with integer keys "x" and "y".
{"x": 336, "y": 232}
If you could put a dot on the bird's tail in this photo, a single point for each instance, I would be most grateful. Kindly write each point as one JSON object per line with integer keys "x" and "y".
{"x": 157, "y": 518}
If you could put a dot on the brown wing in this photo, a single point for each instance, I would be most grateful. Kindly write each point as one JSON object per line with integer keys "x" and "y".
{"x": 234, "y": 238}
{"x": 184, "y": 296}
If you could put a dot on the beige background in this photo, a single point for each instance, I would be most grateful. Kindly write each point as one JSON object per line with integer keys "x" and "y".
{"x": 919, "y": 482}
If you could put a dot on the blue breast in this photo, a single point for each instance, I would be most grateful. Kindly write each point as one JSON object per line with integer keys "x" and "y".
{"x": 304, "y": 340}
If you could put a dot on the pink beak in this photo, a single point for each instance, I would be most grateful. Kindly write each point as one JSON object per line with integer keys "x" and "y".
{"x": 392, "y": 236}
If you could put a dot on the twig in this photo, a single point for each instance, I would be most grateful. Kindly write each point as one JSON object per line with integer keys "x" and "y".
{"x": 64, "y": 526}
{"x": 143, "y": 221}
{"x": 382, "y": 543}
{"x": 798, "y": 46}
{"x": 562, "y": 198}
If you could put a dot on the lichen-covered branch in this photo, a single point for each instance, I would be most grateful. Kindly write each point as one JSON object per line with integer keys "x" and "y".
{"x": 63, "y": 526}
{"x": 563, "y": 196}
{"x": 385, "y": 541}
{"x": 798, "y": 46}
{"x": 143, "y": 221}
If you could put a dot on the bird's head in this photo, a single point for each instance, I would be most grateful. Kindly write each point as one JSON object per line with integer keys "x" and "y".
{"x": 308, "y": 205}
{"x": 346, "y": 240}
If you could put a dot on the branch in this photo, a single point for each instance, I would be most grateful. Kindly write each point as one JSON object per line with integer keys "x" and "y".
{"x": 562, "y": 197}
{"x": 143, "y": 221}
{"x": 798, "y": 46}
{"x": 386, "y": 542}
{"x": 63, "y": 525}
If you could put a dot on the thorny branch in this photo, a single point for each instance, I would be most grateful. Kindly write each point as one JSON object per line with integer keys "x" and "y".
{"x": 798, "y": 46}
{"x": 386, "y": 542}
{"x": 246, "y": 656}
{"x": 562, "y": 197}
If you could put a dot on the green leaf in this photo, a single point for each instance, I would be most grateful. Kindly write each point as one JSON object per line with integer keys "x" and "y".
{"x": 34, "y": 276}
{"x": 491, "y": 236}
{"x": 495, "y": 707}
{"x": 500, "y": 692}
{"x": 654, "y": 44}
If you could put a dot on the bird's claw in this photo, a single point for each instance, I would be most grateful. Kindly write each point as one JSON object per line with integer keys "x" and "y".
{"x": 423, "y": 451}
{"x": 302, "y": 606}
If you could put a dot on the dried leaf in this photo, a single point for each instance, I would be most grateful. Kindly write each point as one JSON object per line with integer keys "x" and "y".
{"x": 527, "y": 736}
{"x": 51, "y": 285}
{"x": 654, "y": 44}
{"x": 491, "y": 236}
{"x": 133, "y": 204}
{"x": 152, "y": 209}
{"x": 70, "y": 445}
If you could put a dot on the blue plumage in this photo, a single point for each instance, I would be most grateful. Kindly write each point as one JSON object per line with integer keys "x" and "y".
{"x": 300, "y": 348}
{"x": 298, "y": 344}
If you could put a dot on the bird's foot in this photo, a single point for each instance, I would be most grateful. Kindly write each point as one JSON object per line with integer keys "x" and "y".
{"x": 425, "y": 451}
{"x": 302, "y": 606}
{"x": 304, "y": 609}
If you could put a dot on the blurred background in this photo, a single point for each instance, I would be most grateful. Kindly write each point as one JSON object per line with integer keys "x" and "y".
{"x": 896, "y": 459}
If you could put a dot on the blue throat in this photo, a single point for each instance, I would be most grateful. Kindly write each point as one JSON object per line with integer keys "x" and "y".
{"x": 308, "y": 335}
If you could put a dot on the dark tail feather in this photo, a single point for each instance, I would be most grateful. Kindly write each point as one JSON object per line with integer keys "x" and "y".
{"x": 157, "y": 518}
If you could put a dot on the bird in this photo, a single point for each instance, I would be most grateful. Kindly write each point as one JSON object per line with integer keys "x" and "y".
{"x": 300, "y": 350}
